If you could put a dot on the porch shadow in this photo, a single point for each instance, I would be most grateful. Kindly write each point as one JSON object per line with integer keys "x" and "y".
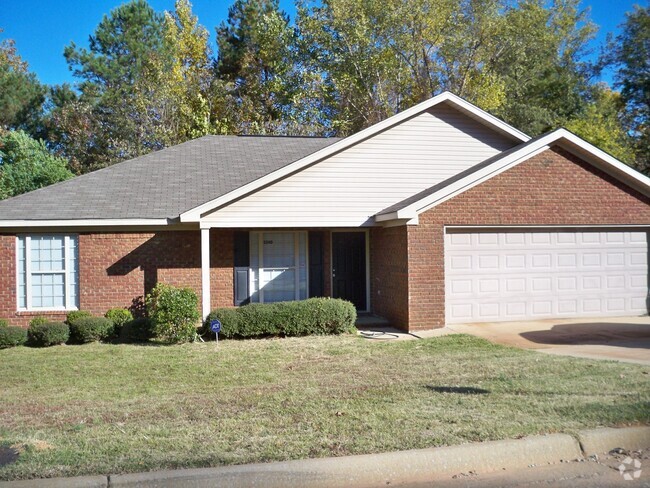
{"x": 160, "y": 252}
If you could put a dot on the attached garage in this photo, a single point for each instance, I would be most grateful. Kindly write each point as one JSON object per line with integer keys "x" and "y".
{"x": 517, "y": 274}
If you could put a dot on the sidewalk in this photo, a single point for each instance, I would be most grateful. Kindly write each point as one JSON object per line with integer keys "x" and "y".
{"x": 374, "y": 470}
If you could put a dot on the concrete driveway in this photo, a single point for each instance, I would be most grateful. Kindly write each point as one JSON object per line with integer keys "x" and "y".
{"x": 621, "y": 339}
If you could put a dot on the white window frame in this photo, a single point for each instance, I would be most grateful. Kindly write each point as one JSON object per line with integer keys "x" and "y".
{"x": 296, "y": 267}
{"x": 28, "y": 274}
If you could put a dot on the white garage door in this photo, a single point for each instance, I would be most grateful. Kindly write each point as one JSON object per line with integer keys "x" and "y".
{"x": 505, "y": 276}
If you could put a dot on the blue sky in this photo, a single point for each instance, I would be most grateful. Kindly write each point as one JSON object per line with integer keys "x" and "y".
{"x": 42, "y": 28}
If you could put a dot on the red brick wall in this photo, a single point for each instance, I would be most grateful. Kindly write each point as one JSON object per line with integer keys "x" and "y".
{"x": 389, "y": 267}
{"x": 552, "y": 188}
{"x": 116, "y": 268}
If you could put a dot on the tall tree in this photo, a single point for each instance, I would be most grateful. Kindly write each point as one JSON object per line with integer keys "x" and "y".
{"x": 520, "y": 61}
{"x": 257, "y": 62}
{"x": 112, "y": 69}
{"x": 629, "y": 53}
{"x": 26, "y": 164}
{"x": 21, "y": 95}
{"x": 190, "y": 73}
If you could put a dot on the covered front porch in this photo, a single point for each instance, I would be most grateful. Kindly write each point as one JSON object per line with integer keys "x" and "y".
{"x": 272, "y": 265}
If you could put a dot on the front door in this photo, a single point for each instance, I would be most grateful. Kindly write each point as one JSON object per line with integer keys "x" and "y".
{"x": 349, "y": 267}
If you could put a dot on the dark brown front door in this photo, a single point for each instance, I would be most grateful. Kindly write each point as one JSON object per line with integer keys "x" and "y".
{"x": 349, "y": 267}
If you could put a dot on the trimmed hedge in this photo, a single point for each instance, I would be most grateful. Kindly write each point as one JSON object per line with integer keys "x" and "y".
{"x": 91, "y": 329}
{"x": 48, "y": 334}
{"x": 137, "y": 330}
{"x": 11, "y": 336}
{"x": 76, "y": 315}
{"x": 119, "y": 317}
{"x": 315, "y": 316}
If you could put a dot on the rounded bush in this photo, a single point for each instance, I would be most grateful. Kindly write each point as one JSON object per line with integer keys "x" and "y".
{"x": 137, "y": 330}
{"x": 11, "y": 336}
{"x": 119, "y": 317}
{"x": 90, "y": 329}
{"x": 48, "y": 334}
{"x": 40, "y": 320}
{"x": 173, "y": 312}
{"x": 76, "y": 315}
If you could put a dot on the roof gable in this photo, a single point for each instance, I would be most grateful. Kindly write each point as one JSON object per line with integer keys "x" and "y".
{"x": 410, "y": 208}
{"x": 194, "y": 215}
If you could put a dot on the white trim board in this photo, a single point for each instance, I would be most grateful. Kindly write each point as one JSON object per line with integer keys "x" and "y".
{"x": 194, "y": 215}
{"x": 561, "y": 137}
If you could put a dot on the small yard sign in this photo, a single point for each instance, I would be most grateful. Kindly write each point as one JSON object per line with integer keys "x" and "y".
{"x": 215, "y": 326}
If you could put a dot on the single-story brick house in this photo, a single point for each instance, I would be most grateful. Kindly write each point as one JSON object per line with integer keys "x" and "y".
{"x": 439, "y": 214}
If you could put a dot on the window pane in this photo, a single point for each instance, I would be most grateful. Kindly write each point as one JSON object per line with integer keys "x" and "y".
{"x": 278, "y": 250}
{"x": 48, "y": 290}
{"x": 47, "y": 253}
{"x": 280, "y": 285}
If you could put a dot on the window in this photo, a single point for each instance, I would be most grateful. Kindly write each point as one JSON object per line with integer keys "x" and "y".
{"x": 48, "y": 272}
{"x": 278, "y": 264}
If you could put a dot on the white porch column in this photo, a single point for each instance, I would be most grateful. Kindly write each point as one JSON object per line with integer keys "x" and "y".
{"x": 205, "y": 272}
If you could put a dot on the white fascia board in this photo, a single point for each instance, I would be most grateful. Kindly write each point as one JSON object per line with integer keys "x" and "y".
{"x": 525, "y": 153}
{"x": 194, "y": 214}
{"x": 83, "y": 223}
{"x": 637, "y": 177}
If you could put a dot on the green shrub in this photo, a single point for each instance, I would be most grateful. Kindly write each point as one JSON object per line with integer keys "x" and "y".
{"x": 173, "y": 312}
{"x": 137, "y": 330}
{"x": 119, "y": 317}
{"x": 75, "y": 315}
{"x": 12, "y": 336}
{"x": 48, "y": 334}
{"x": 90, "y": 329}
{"x": 315, "y": 316}
{"x": 4, "y": 323}
{"x": 40, "y": 320}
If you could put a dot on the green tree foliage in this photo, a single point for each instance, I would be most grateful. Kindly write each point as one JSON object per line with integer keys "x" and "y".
{"x": 113, "y": 70}
{"x": 21, "y": 95}
{"x": 26, "y": 164}
{"x": 600, "y": 122}
{"x": 266, "y": 90}
{"x": 630, "y": 54}
{"x": 518, "y": 61}
{"x": 190, "y": 76}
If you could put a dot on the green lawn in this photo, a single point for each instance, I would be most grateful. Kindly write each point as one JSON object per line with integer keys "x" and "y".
{"x": 73, "y": 410}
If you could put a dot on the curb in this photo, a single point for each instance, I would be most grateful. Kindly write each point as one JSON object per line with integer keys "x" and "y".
{"x": 370, "y": 470}
{"x": 601, "y": 441}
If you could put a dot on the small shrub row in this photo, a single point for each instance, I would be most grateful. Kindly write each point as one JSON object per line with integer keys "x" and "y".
{"x": 314, "y": 316}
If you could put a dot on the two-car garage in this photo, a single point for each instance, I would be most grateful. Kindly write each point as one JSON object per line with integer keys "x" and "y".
{"x": 494, "y": 275}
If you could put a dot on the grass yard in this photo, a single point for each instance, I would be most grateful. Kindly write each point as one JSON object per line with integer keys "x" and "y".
{"x": 74, "y": 410}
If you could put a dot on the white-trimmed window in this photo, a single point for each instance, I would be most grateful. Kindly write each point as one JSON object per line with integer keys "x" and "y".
{"x": 278, "y": 265}
{"x": 48, "y": 272}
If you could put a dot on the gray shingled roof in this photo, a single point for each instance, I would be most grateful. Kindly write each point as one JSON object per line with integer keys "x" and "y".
{"x": 459, "y": 176}
{"x": 165, "y": 183}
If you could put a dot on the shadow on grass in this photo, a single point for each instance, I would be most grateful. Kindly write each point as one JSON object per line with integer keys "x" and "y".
{"x": 461, "y": 390}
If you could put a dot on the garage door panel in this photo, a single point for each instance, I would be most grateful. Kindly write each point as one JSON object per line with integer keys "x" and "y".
{"x": 516, "y": 276}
